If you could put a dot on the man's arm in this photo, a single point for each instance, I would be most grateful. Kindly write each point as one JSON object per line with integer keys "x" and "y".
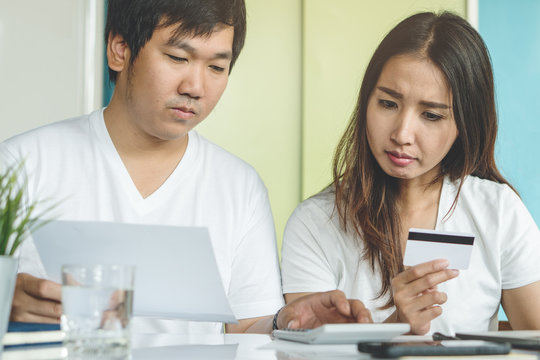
{"x": 308, "y": 312}
{"x": 36, "y": 300}
{"x": 522, "y": 306}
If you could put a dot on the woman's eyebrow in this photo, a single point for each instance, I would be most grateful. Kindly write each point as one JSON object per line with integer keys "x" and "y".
{"x": 397, "y": 95}
{"x": 391, "y": 92}
{"x": 433, "y": 104}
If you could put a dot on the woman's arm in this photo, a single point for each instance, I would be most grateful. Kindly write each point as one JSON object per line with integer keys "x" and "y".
{"x": 522, "y": 306}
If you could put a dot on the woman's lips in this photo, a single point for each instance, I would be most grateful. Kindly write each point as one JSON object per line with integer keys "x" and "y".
{"x": 400, "y": 159}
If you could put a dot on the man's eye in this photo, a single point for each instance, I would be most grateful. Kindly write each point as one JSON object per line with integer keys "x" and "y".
{"x": 388, "y": 104}
{"x": 431, "y": 116}
{"x": 176, "y": 58}
{"x": 217, "y": 69}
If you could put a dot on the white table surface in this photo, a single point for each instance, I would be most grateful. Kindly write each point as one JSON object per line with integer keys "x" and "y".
{"x": 234, "y": 346}
{"x": 228, "y": 347}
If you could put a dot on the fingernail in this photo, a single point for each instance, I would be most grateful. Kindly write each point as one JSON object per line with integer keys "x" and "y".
{"x": 442, "y": 264}
{"x": 291, "y": 324}
{"x": 454, "y": 272}
{"x": 364, "y": 319}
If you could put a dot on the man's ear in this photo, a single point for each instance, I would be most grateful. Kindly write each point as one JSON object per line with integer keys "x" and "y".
{"x": 117, "y": 53}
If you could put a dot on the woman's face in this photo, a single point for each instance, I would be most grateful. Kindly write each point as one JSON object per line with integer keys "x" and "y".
{"x": 410, "y": 123}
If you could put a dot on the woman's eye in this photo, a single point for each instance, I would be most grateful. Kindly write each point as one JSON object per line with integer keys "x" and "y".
{"x": 176, "y": 58}
{"x": 431, "y": 116}
{"x": 388, "y": 104}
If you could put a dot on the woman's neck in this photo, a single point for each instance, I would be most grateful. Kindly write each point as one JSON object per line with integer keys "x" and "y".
{"x": 418, "y": 205}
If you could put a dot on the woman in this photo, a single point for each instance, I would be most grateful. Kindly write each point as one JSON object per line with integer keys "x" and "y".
{"x": 419, "y": 153}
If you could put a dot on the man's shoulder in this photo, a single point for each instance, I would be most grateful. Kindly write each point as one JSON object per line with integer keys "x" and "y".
{"x": 219, "y": 158}
{"x": 68, "y": 130}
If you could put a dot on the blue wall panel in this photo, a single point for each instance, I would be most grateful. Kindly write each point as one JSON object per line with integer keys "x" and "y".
{"x": 511, "y": 29}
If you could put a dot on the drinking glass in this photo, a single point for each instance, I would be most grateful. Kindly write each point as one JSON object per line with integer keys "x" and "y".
{"x": 97, "y": 306}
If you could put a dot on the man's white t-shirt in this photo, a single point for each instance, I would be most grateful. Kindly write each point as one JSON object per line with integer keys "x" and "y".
{"x": 74, "y": 164}
{"x": 317, "y": 255}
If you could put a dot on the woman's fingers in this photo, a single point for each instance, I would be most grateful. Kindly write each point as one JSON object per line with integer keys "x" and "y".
{"x": 420, "y": 270}
{"x": 421, "y": 323}
{"x": 424, "y": 301}
{"x": 421, "y": 278}
{"x": 416, "y": 296}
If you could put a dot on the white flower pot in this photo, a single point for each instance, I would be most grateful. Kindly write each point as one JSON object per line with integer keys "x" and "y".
{"x": 8, "y": 275}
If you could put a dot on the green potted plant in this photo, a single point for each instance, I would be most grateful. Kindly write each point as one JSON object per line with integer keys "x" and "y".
{"x": 17, "y": 220}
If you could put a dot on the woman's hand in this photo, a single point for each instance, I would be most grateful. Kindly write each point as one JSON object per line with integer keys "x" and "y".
{"x": 317, "y": 309}
{"x": 415, "y": 294}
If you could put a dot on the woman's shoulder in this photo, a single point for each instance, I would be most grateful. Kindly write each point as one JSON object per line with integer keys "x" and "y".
{"x": 483, "y": 200}
{"x": 487, "y": 190}
{"x": 322, "y": 203}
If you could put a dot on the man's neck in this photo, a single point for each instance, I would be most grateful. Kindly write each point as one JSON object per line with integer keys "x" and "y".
{"x": 149, "y": 161}
{"x": 130, "y": 140}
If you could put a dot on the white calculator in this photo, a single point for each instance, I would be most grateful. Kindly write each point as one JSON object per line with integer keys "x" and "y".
{"x": 343, "y": 333}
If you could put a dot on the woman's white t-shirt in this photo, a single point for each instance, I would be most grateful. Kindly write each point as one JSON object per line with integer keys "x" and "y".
{"x": 317, "y": 255}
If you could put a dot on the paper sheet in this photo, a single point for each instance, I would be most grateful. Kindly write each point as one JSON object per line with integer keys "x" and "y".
{"x": 176, "y": 274}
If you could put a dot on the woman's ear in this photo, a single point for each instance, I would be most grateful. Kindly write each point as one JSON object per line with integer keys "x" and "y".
{"x": 117, "y": 53}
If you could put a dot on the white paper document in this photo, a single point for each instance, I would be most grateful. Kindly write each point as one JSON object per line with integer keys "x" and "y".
{"x": 426, "y": 245}
{"x": 176, "y": 274}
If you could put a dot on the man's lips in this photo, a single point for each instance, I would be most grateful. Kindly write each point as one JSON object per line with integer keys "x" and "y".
{"x": 184, "y": 113}
{"x": 400, "y": 159}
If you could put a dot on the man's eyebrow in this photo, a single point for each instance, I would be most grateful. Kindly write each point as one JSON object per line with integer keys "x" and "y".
{"x": 181, "y": 44}
{"x": 397, "y": 95}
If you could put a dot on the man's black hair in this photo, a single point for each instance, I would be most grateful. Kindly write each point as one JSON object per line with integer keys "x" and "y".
{"x": 136, "y": 21}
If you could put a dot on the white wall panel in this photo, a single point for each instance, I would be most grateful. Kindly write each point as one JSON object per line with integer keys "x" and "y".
{"x": 50, "y": 61}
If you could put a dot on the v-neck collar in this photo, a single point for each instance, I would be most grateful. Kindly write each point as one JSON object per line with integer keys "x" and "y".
{"x": 446, "y": 199}
{"x": 161, "y": 194}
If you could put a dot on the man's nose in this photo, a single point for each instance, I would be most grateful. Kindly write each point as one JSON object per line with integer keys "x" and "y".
{"x": 192, "y": 83}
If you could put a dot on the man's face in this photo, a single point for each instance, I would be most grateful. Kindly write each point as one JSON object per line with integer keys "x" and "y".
{"x": 175, "y": 83}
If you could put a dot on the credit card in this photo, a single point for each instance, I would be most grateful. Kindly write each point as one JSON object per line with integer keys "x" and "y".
{"x": 426, "y": 245}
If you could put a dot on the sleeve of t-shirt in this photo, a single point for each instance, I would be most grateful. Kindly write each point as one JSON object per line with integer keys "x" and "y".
{"x": 520, "y": 243}
{"x": 304, "y": 258}
{"x": 255, "y": 287}
{"x": 29, "y": 260}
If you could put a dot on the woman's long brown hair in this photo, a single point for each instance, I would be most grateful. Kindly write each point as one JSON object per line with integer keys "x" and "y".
{"x": 366, "y": 197}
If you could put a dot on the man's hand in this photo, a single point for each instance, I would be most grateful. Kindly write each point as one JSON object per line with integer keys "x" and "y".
{"x": 36, "y": 300}
{"x": 316, "y": 309}
{"x": 415, "y": 294}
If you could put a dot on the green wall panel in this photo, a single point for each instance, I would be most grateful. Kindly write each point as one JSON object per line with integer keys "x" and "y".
{"x": 339, "y": 39}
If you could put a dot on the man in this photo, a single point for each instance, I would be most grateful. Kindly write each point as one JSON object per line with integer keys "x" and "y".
{"x": 138, "y": 161}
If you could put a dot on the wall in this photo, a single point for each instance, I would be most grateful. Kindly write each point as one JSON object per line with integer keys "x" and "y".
{"x": 258, "y": 117}
{"x": 339, "y": 39}
{"x": 295, "y": 85}
{"x": 50, "y": 68}
{"x": 511, "y": 30}
{"x": 46, "y": 74}
{"x": 292, "y": 90}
